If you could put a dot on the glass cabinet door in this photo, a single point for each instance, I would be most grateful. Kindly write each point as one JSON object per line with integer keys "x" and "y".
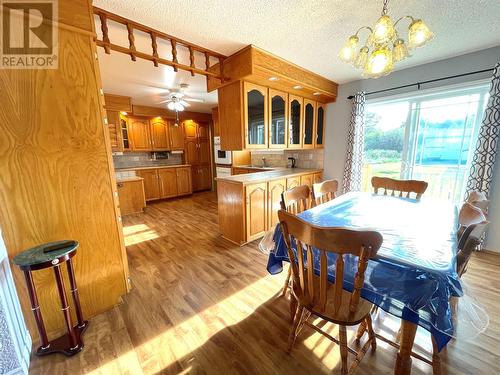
{"x": 295, "y": 121}
{"x": 309, "y": 122}
{"x": 320, "y": 125}
{"x": 255, "y": 116}
{"x": 277, "y": 119}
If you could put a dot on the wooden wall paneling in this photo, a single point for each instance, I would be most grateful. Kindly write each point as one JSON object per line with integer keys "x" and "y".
{"x": 151, "y": 184}
{"x": 118, "y": 103}
{"x": 64, "y": 187}
{"x": 215, "y": 121}
{"x": 231, "y": 116}
{"x": 256, "y": 210}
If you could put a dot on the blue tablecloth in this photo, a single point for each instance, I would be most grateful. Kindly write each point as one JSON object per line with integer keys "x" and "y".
{"x": 414, "y": 273}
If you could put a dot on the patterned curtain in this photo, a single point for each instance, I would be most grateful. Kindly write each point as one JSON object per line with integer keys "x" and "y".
{"x": 354, "y": 159}
{"x": 483, "y": 162}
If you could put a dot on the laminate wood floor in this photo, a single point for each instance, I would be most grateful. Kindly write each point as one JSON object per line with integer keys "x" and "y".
{"x": 200, "y": 305}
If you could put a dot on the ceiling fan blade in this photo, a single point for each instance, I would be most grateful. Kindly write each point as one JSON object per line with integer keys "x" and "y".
{"x": 194, "y": 100}
{"x": 164, "y": 101}
{"x": 184, "y": 103}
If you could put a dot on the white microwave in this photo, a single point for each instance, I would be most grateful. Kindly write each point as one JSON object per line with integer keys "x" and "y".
{"x": 221, "y": 156}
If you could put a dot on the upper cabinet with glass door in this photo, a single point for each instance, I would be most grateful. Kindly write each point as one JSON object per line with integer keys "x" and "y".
{"x": 309, "y": 123}
{"x": 320, "y": 125}
{"x": 255, "y": 114}
{"x": 278, "y": 117}
{"x": 295, "y": 110}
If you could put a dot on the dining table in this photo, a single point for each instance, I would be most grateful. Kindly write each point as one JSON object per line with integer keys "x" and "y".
{"x": 413, "y": 274}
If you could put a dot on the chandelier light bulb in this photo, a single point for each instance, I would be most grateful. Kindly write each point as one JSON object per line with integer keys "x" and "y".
{"x": 383, "y": 31}
{"x": 379, "y": 63}
{"x": 362, "y": 58}
{"x": 400, "y": 51}
{"x": 348, "y": 51}
{"x": 419, "y": 34}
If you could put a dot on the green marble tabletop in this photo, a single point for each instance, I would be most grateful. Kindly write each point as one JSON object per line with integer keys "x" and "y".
{"x": 36, "y": 255}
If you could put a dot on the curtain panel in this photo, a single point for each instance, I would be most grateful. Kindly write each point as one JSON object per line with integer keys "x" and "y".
{"x": 355, "y": 146}
{"x": 483, "y": 162}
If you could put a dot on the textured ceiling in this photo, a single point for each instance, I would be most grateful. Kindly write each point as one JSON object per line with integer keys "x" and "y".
{"x": 310, "y": 33}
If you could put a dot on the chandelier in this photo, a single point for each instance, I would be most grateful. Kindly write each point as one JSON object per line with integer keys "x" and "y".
{"x": 383, "y": 47}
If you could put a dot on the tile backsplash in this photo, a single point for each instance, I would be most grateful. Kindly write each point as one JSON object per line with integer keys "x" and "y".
{"x": 144, "y": 159}
{"x": 305, "y": 158}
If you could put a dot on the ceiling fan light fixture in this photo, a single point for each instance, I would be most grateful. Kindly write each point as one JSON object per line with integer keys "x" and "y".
{"x": 171, "y": 106}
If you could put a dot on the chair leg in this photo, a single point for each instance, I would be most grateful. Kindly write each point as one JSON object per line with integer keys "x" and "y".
{"x": 361, "y": 330}
{"x": 371, "y": 334}
{"x": 293, "y": 331}
{"x": 287, "y": 282}
{"x": 436, "y": 359}
{"x": 343, "y": 348}
{"x": 293, "y": 307}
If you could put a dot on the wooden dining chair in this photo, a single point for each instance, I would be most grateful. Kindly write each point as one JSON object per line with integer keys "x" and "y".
{"x": 325, "y": 191}
{"x": 479, "y": 199}
{"x": 295, "y": 201}
{"x": 399, "y": 188}
{"x": 315, "y": 294}
{"x": 473, "y": 225}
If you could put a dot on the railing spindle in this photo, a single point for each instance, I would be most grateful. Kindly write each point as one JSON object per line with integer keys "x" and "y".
{"x": 207, "y": 61}
{"x": 154, "y": 45}
{"x": 131, "y": 40}
{"x": 104, "y": 29}
{"x": 174, "y": 53}
{"x": 191, "y": 60}
{"x": 221, "y": 69}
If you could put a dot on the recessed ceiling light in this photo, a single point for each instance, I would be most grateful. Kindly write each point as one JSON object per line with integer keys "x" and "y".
{"x": 273, "y": 79}
{"x": 316, "y": 93}
{"x": 297, "y": 87}
{"x": 124, "y": 113}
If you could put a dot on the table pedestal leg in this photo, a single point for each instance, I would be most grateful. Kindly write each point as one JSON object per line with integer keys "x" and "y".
{"x": 65, "y": 307}
{"x": 74, "y": 291}
{"x": 35, "y": 307}
{"x": 403, "y": 360}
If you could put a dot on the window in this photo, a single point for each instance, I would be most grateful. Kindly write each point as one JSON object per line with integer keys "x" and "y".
{"x": 428, "y": 137}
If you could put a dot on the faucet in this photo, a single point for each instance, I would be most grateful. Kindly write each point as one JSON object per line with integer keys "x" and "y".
{"x": 264, "y": 162}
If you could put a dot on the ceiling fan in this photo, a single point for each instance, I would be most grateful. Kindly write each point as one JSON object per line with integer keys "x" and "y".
{"x": 177, "y": 99}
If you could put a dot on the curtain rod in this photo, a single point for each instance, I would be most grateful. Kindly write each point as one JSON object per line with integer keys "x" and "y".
{"x": 424, "y": 82}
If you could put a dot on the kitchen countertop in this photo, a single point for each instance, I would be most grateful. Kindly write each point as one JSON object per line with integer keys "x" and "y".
{"x": 274, "y": 174}
{"x": 127, "y": 179}
{"x": 152, "y": 167}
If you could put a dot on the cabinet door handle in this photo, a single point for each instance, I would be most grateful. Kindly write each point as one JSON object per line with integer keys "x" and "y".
{"x": 119, "y": 184}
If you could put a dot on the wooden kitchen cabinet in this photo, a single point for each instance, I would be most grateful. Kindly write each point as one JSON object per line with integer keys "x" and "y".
{"x": 139, "y": 133}
{"x": 166, "y": 182}
{"x": 255, "y": 115}
{"x": 256, "y": 210}
{"x": 274, "y": 190}
{"x": 131, "y": 196}
{"x": 167, "y": 178}
{"x": 184, "y": 185}
{"x": 215, "y": 121}
{"x": 292, "y": 182}
{"x": 176, "y": 137}
{"x": 307, "y": 180}
{"x": 198, "y": 154}
{"x": 309, "y": 124}
{"x": 151, "y": 185}
{"x": 320, "y": 125}
{"x": 296, "y": 118}
{"x": 278, "y": 119}
{"x": 159, "y": 131}
{"x": 114, "y": 129}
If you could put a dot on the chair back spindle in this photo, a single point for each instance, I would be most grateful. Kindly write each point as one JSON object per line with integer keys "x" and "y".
{"x": 296, "y": 200}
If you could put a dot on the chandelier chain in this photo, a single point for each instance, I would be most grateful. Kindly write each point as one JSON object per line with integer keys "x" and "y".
{"x": 384, "y": 8}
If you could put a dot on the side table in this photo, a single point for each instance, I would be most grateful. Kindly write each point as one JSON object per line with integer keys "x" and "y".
{"x": 52, "y": 255}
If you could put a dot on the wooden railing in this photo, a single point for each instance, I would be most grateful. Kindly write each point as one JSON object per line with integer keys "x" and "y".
{"x": 108, "y": 45}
